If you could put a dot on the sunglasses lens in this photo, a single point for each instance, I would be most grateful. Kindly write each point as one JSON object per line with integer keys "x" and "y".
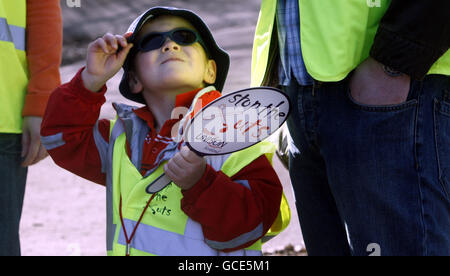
{"x": 184, "y": 37}
{"x": 152, "y": 42}
{"x": 156, "y": 40}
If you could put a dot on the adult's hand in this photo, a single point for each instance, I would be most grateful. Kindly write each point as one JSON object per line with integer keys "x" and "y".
{"x": 32, "y": 149}
{"x": 371, "y": 85}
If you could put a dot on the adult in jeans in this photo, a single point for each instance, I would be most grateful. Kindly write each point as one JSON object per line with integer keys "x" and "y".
{"x": 370, "y": 87}
{"x": 30, "y": 55}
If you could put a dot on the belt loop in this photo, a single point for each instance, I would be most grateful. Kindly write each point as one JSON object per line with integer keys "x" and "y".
{"x": 446, "y": 95}
{"x": 415, "y": 89}
{"x": 316, "y": 84}
{"x": 313, "y": 88}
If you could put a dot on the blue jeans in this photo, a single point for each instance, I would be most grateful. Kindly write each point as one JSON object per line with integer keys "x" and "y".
{"x": 372, "y": 180}
{"x": 12, "y": 190}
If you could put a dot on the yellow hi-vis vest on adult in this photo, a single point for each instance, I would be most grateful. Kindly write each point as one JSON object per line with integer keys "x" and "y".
{"x": 13, "y": 64}
{"x": 165, "y": 229}
{"x": 336, "y": 36}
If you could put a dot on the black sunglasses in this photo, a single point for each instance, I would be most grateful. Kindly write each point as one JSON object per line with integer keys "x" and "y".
{"x": 181, "y": 36}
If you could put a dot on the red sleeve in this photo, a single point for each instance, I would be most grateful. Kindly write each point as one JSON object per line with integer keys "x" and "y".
{"x": 44, "y": 45}
{"x": 68, "y": 127}
{"x": 235, "y": 212}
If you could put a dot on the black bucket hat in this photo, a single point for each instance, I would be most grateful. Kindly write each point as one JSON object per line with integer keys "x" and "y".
{"x": 221, "y": 58}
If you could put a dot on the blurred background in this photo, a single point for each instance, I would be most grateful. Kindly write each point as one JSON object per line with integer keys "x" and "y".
{"x": 64, "y": 214}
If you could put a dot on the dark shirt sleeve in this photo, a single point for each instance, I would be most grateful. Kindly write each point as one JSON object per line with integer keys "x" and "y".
{"x": 412, "y": 35}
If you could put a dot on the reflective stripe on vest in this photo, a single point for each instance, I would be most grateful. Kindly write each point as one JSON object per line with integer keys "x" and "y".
{"x": 347, "y": 30}
{"x": 166, "y": 243}
{"x": 11, "y": 33}
{"x": 165, "y": 229}
{"x": 14, "y": 67}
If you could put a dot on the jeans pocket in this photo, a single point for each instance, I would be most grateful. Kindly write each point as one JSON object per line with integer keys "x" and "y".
{"x": 442, "y": 136}
{"x": 380, "y": 108}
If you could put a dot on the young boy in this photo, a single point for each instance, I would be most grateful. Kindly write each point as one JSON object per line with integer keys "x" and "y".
{"x": 215, "y": 205}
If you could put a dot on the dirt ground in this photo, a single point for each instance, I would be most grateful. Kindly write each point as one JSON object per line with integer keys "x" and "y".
{"x": 64, "y": 214}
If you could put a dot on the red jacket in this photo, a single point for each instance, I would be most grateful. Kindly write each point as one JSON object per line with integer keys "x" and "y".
{"x": 224, "y": 208}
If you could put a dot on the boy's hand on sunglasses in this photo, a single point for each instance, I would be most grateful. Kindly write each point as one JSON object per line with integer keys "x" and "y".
{"x": 105, "y": 57}
{"x": 186, "y": 168}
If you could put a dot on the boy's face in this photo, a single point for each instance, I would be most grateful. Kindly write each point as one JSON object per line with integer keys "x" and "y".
{"x": 172, "y": 67}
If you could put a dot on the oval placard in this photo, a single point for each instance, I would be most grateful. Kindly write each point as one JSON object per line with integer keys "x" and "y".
{"x": 237, "y": 120}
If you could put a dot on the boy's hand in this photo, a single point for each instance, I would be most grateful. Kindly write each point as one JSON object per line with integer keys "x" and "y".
{"x": 186, "y": 168}
{"x": 104, "y": 61}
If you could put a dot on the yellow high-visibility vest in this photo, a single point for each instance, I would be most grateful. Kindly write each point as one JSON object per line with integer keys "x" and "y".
{"x": 336, "y": 36}
{"x": 13, "y": 64}
{"x": 165, "y": 229}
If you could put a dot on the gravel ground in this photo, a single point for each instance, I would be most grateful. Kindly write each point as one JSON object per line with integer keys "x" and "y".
{"x": 289, "y": 250}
